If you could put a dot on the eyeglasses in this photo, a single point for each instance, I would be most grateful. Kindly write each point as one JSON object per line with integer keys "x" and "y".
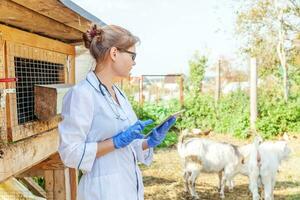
{"x": 133, "y": 54}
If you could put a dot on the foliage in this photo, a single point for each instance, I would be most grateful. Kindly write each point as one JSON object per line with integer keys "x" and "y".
{"x": 230, "y": 116}
{"x": 197, "y": 69}
{"x": 158, "y": 112}
{"x": 40, "y": 181}
{"x": 258, "y": 25}
{"x": 276, "y": 116}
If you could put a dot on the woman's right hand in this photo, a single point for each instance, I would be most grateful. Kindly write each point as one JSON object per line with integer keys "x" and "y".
{"x": 133, "y": 132}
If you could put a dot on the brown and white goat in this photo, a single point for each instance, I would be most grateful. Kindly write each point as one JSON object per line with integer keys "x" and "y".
{"x": 204, "y": 155}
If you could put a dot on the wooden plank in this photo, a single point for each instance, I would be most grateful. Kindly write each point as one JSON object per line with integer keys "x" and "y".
{"x": 30, "y": 173}
{"x": 8, "y": 106}
{"x": 16, "y": 131}
{"x": 14, "y": 161}
{"x": 19, "y": 16}
{"x": 49, "y": 184}
{"x": 217, "y": 83}
{"x": 72, "y": 70}
{"x": 48, "y": 100}
{"x": 253, "y": 94}
{"x": 53, "y": 162}
{"x": 59, "y": 184}
{"x": 181, "y": 96}
{"x": 73, "y": 173}
{"x": 3, "y": 133}
{"x": 57, "y": 11}
{"x": 33, "y": 186}
{"x": 34, "y": 128}
{"x": 34, "y": 40}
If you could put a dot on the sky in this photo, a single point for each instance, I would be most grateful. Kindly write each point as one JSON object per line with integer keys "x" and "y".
{"x": 171, "y": 30}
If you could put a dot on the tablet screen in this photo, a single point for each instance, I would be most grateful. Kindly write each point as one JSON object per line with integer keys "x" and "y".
{"x": 176, "y": 114}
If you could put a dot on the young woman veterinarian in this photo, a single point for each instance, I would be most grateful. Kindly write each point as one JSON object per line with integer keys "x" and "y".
{"x": 100, "y": 133}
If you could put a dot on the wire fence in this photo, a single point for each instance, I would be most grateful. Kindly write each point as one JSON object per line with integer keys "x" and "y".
{"x": 154, "y": 88}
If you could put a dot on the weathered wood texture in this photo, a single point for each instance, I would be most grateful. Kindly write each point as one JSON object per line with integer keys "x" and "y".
{"x": 22, "y": 17}
{"x": 25, "y": 154}
{"x": 55, "y": 10}
{"x": 3, "y": 133}
{"x": 253, "y": 93}
{"x": 33, "y": 40}
{"x": 28, "y": 50}
{"x": 48, "y": 100}
{"x": 60, "y": 185}
{"x": 33, "y": 186}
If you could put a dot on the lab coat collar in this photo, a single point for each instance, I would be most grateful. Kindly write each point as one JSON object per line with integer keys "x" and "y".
{"x": 92, "y": 79}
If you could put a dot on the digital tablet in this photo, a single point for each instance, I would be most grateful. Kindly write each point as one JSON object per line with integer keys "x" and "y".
{"x": 176, "y": 114}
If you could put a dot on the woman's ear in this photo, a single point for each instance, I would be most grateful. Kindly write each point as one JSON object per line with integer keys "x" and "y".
{"x": 113, "y": 53}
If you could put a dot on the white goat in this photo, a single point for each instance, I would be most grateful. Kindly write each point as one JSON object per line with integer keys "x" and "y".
{"x": 261, "y": 165}
{"x": 204, "y": 155}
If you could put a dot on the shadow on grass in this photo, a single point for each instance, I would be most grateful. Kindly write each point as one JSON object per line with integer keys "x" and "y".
{"x": 153, "y": 180}
{"x": 210, "y": 192}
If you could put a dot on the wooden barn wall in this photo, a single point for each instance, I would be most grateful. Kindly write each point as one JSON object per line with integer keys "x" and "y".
{"x": 31, "y": 46}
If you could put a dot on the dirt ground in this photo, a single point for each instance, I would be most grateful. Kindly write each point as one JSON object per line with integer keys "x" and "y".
{"x": 163, "y": 179}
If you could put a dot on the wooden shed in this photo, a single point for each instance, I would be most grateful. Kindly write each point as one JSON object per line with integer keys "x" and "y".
{"x": 37, "y": 47}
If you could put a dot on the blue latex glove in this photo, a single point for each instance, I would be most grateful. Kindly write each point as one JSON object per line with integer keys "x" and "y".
{"x": 133, "y": 132}
{"x": 159, "y": 134}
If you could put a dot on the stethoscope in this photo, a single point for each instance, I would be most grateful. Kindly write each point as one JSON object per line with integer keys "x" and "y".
{"x": 110, "y": 100}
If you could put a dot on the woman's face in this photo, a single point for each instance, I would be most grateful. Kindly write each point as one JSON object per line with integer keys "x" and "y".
{"x": 124, "y": 61}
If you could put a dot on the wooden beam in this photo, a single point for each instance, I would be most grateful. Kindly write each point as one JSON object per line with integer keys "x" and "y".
{"x": 49, "y": 184}
{"x": 73, "y": 174}
{"x": 55, "y": 10}
{"x": 51, "y": 163}
{"x": 30, "y": 173}
{"x": 33, "y": 186}
{"x": 3, "y": 134}
{"x": 23, "y": 155}
{"x": 34, "y": 40}
{"x": 181, "y": 96}
{"x": 19, "y": 16}
{"x": 218, "y": 83}
{"x": 57, "y": 185}
{"x": 253, "y": 93}
{"x": 141, "y": 91}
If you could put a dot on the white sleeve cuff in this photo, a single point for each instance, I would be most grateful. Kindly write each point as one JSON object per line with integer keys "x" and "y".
{"x": 143, "y": 156}
{"x": 88, "y": 157}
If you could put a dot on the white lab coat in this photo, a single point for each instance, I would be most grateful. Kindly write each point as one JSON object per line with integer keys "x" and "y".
{"x": 88, "y": 119}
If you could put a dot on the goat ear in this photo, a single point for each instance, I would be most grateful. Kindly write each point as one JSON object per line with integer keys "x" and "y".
{"x": 286, "y": 137}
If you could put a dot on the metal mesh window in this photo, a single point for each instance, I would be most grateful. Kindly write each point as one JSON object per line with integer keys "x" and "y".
{"x": 29, "y": 73}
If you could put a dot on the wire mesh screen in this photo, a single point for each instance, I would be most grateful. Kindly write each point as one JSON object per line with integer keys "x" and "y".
{"x": 161, "y": 87}
{"x": 153, "y": 88}
{"x": 31, "y": 65}
{"x": 29, "y": 73}
{"x": 131, "y": 86}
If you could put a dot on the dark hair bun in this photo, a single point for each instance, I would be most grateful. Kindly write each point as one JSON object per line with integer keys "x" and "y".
{"x": 94, "y": 32}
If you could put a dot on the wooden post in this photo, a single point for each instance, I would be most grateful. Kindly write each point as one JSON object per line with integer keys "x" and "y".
{"x": 49, "y": 184}
{"x": 218, "y": 83}
{"x": 141, "y": 91}
{"x": 253, "y": 93}
{"x": 73, "y": 173}
{"x": 181, "y": 91}
{"x": 61, "y": 184}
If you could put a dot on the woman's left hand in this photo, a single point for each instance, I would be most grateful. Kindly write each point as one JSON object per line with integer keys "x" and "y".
{"x": 159, "y": 134}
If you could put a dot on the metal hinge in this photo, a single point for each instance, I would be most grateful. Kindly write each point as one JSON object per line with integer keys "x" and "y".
{"x": 3, "y": 93}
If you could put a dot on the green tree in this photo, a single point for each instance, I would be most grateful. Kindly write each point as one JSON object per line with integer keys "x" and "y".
{"x": 268, "y": 29}
{"x": 197, "y": 69}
